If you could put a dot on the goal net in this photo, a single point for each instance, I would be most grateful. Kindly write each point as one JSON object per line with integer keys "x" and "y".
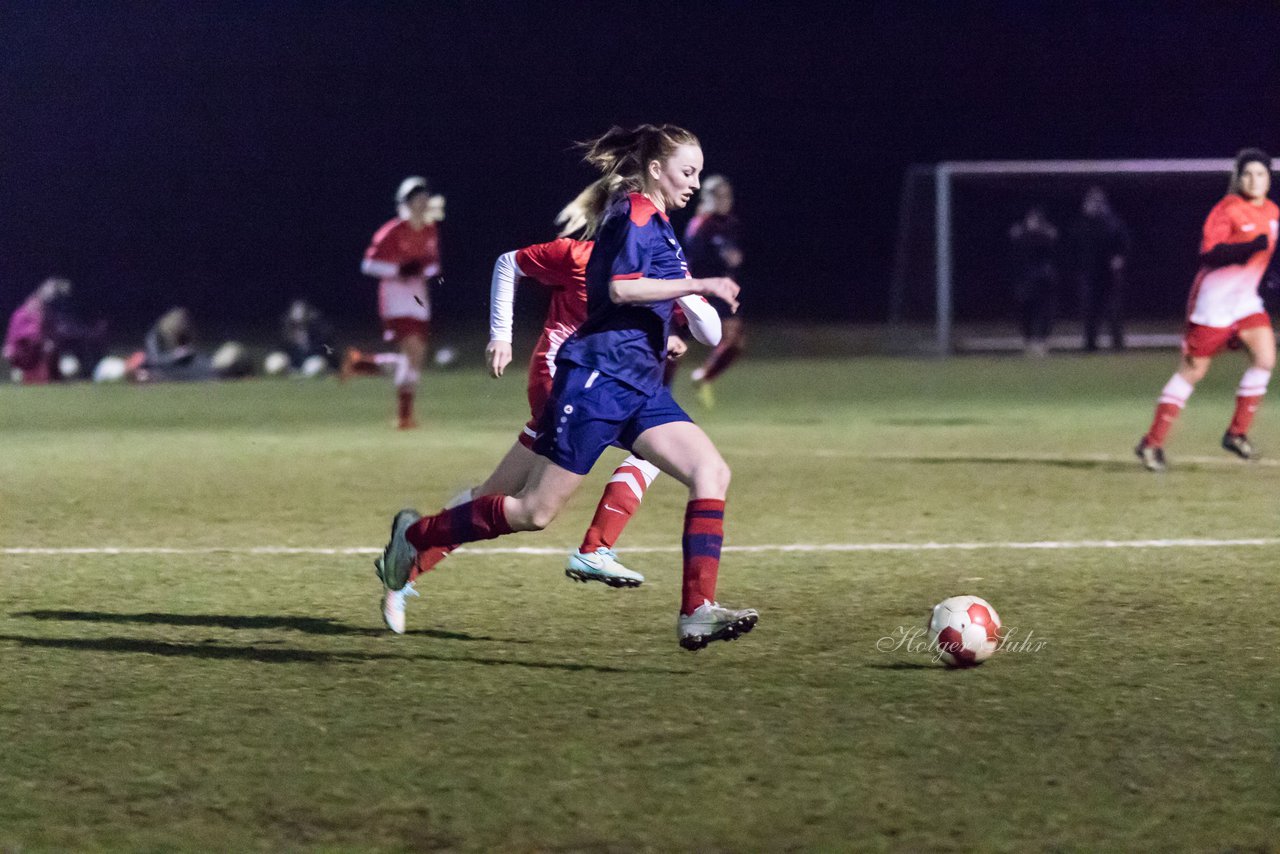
{"x": 952, "y": 279}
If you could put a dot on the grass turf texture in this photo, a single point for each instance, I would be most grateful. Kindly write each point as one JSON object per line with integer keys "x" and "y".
{"x": 238, "y": 702}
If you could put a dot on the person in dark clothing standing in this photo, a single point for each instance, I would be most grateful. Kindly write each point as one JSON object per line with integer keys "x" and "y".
{"x": 1035, "y": 277}
{"x": 1101, "y": 248}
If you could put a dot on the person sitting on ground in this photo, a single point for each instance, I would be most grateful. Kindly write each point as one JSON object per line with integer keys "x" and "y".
{"x": 171, "y": 354}
{"x": 28, "y": 345}
{"x": 305, "y": 334}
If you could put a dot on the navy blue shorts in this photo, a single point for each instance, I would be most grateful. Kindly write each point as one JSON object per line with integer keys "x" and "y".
{"x": 589, "y": 411}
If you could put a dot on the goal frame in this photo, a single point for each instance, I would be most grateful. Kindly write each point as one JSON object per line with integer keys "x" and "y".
{"x": 944, "y": 173}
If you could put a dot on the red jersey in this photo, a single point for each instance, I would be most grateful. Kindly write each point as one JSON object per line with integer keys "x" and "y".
{"x": 397, "y": 243}
{"x": 560, "y": 265}
{"x": 1223, "y": 295}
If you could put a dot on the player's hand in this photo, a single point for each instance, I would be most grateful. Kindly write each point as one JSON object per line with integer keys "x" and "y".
{"x": 676, "y": 347}
{"x": 497, "y": 355}
{"x": 725, "y": 289}
{"x": 409, "y": 269}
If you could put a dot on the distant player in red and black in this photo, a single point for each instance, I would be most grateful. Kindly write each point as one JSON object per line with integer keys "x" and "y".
{"x": 1224, "y": 310}
{"x": 403, "y": 256}
{"x": 713, "y": 245}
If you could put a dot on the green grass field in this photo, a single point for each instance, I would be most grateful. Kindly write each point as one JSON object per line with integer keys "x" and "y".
{"x": 214, "y": 698}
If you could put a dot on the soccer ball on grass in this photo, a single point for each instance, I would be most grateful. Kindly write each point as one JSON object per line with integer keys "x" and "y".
{"x": 964, "y": 631}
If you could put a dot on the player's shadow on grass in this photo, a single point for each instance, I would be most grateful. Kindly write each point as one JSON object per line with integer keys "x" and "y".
{"x": 216, "y": 651}
{"x": 1052, "y": 462}
{"x": 308, "y": 625}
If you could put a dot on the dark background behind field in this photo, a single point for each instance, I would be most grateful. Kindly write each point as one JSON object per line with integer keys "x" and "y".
{"x": 230, "y": 156}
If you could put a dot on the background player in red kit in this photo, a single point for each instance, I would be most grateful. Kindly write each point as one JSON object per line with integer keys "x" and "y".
{"x": 1224, "y": 309}
{"x": 713, "y": 244}
{"x": 561, "y": 267}
{"x": 403, "y": 255}
{"x": 609, "y": 386}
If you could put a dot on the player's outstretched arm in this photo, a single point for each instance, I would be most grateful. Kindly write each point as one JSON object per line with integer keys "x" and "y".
{"x": 654, "y": 290}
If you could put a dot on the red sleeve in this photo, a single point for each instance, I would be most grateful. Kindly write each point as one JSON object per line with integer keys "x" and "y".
{"x": 382, "y": 248}
{"x": 1218, "y": 226}
{"x": 553, "y": 264}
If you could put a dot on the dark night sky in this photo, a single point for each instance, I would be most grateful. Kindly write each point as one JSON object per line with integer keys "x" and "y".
{"x": 232, "y": 156}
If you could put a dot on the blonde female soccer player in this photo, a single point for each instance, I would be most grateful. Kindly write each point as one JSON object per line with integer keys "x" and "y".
{"x": 608, "y": 386}
{"x": 560, "y": 266}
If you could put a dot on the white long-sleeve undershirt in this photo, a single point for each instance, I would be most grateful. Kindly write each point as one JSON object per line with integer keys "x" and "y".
{"x": 379, "y": 269}
{"x": 502, "y": 296}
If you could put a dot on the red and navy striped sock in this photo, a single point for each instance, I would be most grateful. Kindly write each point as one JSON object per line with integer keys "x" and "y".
{"x": 703, "y": 537}
{"x": 481, "y": 519}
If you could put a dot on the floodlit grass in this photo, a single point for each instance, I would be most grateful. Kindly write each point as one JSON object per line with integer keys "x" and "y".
{"x": 232, "y": 701}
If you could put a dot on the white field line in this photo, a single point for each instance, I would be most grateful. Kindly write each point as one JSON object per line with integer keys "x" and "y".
{"x": 997, "y": 457}
{"x": 759, "y": 549}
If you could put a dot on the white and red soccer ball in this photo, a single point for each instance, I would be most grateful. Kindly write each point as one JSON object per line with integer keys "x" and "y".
{"x": 964, "y": 631}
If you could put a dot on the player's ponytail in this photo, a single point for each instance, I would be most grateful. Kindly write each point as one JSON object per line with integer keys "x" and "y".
{"x": 623, "y": 156}
{"x": 581, "y": 217}
{"x": 628, "y": 152}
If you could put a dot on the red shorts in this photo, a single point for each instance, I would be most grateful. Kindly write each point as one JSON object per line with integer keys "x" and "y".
{"x": 399, "y": 328}
{"x": 1211, "y": 340}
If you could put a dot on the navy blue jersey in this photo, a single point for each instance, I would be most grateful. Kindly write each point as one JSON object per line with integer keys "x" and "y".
{"x": 628, "y": 342}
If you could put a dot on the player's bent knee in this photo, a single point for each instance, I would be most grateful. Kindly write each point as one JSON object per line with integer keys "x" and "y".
{"x": 711, "y": 479}
{"x": 540, "y": 517}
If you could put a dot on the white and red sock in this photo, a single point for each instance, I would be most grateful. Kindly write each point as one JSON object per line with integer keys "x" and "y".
{"x": 1173, "y": 397}
{"x": 1253, "y": 385}
{"x": 406, "y": 390}
{"x": 621, "y": 498}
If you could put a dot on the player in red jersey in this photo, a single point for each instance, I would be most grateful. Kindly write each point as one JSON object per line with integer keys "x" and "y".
{"x": 1225, "y": 310}
{"x": 403, "y": 256}
{"x": 561, "y": 267}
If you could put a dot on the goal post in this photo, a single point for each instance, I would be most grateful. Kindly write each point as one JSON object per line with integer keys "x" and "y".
{"x": 943, "y": 180}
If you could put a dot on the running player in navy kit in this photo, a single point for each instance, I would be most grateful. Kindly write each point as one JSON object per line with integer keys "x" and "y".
{"x": 608, "y": 385}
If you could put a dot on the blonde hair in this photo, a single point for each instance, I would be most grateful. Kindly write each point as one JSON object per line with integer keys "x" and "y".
{"x": 623, "y": 156}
